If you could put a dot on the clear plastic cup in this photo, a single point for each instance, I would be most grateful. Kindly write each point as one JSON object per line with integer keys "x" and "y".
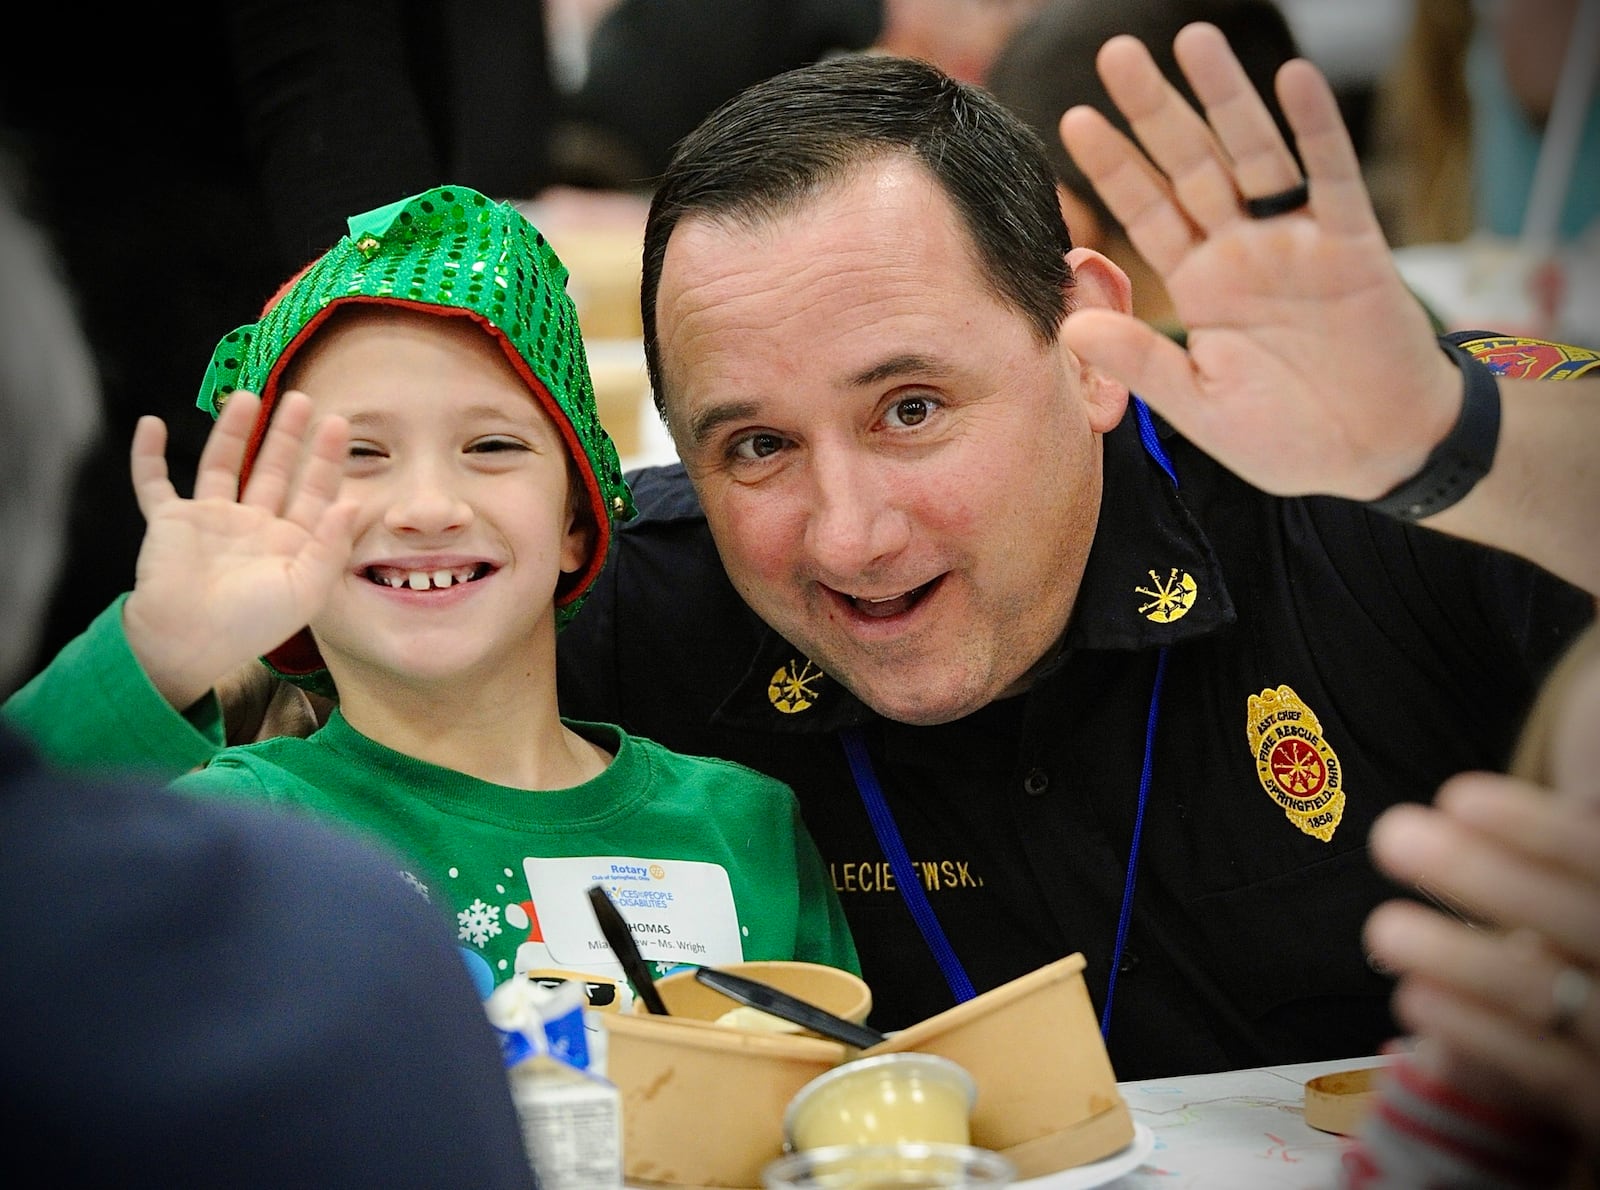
{"x": 889, "y": 1167}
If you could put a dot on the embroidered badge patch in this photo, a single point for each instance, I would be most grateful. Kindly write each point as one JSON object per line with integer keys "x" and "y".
{"x": 1521, "y": 358}
{"x": 1167, "y": 599}
{"x": 1294, "y": 763}
{"x": 793, "y": 688}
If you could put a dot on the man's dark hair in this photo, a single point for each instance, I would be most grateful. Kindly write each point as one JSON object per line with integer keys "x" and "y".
{"x": 784, "y": 140}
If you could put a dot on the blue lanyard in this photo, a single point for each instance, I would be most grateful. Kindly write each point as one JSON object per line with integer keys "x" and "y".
{"x": 905, "y": 877}
{"x": 894, "y": 847}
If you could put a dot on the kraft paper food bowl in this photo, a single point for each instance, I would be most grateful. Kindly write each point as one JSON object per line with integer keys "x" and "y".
{"x": 1047, "y": 1097}
{"x": 836, "y": 990}
{"x": 703, "y": 1104}
{"x": 1339, "y": 1101}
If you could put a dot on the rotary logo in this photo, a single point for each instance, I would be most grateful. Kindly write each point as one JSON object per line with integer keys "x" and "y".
{"x": 1294, "y": 763}
{"x": 794, "y": 687}
{"x": 1167, "y": 599}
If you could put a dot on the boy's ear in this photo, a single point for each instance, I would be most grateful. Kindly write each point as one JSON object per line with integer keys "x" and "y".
{"x": 1100, "y": 284}
{"x": 582, "y": 533}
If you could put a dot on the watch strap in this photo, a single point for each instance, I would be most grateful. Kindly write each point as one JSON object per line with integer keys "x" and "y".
{"x": 1462, "y": 457}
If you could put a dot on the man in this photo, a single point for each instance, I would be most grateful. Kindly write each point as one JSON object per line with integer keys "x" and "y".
{"x": 1024, "y": 650}
{"x": 1107, "y": 683}
{"x": 183, "y": 1002}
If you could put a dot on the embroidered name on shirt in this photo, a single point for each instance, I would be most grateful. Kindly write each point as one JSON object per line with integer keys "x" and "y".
{"x": 794, "y": 688}
{"x": 878, "y": 875}
{"x": 1167, "y": 599}
{"x": 1294, "y": 764}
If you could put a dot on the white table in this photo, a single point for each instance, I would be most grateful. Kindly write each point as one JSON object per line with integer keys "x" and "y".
{"x": 1238, "y": 1130}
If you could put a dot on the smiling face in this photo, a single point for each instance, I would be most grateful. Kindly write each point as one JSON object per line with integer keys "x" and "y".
{"x": 900, "y": 477}
{"x": 467, "y": 519}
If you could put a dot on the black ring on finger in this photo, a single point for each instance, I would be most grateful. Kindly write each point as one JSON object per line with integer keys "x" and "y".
{"x": 1280, "y": 203}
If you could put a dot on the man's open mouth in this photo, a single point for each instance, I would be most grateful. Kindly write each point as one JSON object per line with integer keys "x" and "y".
{"x": 891, "y": 605}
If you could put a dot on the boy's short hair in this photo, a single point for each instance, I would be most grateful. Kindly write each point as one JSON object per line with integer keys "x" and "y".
{"x": 453, "y": 252}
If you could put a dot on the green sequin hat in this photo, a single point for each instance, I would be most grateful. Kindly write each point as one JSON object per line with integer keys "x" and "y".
{"x": 453, "y": 251}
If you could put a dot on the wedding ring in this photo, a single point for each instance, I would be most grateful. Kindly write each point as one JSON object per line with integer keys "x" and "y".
{"x": 1570, "y": 992}
{"x": 1280, "y": 203}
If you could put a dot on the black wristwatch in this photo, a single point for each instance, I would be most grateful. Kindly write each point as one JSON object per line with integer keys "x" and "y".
{"x": 1465, "y": 454}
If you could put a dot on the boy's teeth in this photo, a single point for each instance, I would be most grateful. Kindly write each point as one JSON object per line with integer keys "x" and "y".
{"x": 424, "y": 580}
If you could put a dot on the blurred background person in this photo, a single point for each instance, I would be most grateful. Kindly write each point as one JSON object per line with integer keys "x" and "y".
{"x": 1486, "y": 160}
{"x": 650, "y": 70}
{"x": 1502, "y": 1085}
{"x": 1355, "y": 43}
{"x": 344, "y": 105}
{"x": 1420, "y": 160}
{"x": 1514, "y": 69}
{"x": 45, "y": 437}
{"x": 1461, "y": 117}
{"x": 960, "y": 37}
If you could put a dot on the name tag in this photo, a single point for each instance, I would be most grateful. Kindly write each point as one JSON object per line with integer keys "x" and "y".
{"x": 680, "y": 911}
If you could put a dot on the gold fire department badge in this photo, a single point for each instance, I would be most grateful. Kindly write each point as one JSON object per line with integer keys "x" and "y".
{"x": 1294, "y": 763}
{"x": 793, "y": 687}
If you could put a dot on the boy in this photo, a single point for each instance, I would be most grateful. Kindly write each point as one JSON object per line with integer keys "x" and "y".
{"x": 418, "y": 575}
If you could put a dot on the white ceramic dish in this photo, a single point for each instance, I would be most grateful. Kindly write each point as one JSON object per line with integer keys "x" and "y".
{"x": 1080, "y": 1177}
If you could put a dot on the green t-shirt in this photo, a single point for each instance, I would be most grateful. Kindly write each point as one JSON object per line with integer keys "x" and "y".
{"x": 708, "y": 860}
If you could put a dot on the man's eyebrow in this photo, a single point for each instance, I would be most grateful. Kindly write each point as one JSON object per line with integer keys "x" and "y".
{"x": 705, "y": 422}
{"x": 899, "y": 365}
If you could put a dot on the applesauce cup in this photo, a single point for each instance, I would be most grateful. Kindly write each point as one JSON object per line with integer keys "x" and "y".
{"x": 903, "y": 1098}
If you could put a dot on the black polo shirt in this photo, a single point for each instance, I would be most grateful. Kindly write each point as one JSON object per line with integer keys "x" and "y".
{"x": 1323, "y": 663}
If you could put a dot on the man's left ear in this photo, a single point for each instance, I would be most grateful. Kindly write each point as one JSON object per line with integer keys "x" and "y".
{"x": 1099, "y": 283}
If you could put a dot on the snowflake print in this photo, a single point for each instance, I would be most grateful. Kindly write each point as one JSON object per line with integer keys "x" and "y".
{"x": 479, "y": 922}
{"x": 414, "y": 882}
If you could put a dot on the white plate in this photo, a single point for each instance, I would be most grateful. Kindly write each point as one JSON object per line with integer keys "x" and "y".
{"x": 1098, "y": 1173}
{"x": 1079, "y": 1177}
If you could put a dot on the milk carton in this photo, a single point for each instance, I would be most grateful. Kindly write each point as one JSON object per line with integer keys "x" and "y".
{"x": 571, "y": 1114}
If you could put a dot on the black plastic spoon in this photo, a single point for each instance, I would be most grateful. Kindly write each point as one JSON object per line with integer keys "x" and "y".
{"x": 754, "y": 994}
{"x": 620, "y": 938}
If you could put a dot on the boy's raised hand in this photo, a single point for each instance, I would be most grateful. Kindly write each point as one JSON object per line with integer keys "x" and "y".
{"x": 226, "y": 576}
